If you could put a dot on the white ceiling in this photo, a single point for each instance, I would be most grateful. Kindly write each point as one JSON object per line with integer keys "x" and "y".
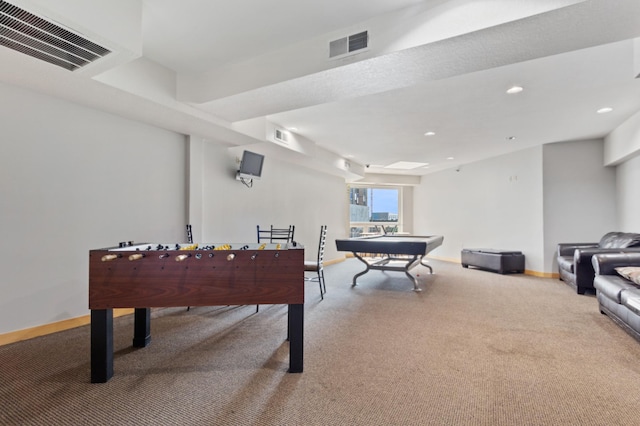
{"x": 199, "y": 35}
{"x": 231, "y": 71}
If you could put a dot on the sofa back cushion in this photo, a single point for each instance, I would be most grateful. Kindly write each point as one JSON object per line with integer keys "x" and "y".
{"x": 619, "y": 240}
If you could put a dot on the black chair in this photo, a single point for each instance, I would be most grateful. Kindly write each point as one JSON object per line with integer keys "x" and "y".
{"x": 264, "y": 235}
{"x": 276, "y": 235}
{"x": 317, "y": 266}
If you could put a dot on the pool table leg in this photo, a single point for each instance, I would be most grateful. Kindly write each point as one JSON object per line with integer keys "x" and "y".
{"x": 410, "y": 264}
{"x": 355, "y": 277}
{"x": 428, "y": 266}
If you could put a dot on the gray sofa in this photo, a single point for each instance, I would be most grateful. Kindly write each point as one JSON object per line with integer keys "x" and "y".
{"x": 574, "y": 259}
{"x": 618, "y": 297}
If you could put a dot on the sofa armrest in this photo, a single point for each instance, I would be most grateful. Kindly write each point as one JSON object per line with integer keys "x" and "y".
{"x": 567, "y": 249}
{"x": 584, "y": 255}
{"x": 583, "y": 267}
{"x": 605, "y": 263}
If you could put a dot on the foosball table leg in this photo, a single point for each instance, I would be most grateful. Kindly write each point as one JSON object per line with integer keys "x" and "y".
{"x": 101, "y": 345}
{"x": 141, "y": 327}
{"x": 296, "y": 337}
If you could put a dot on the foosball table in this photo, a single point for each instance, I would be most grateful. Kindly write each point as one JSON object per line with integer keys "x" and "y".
{"x": 149, "y": 275}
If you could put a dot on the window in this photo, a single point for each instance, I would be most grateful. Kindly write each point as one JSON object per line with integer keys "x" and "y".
{"x": 374, "y": 210}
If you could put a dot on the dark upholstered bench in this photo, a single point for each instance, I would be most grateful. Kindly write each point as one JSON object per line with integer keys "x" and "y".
{"x": 501, "y": 261}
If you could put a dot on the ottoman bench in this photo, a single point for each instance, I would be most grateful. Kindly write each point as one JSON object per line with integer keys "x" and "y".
{"x": 501, "y": 261}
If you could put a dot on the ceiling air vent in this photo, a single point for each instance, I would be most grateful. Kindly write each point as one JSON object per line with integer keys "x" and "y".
{"x": 34, "y": 36}
{"x": 348, "y": 44}
{"x": 280, "y": 135}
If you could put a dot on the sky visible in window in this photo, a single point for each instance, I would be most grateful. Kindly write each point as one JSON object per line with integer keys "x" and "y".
{"x": 383, "y": 200}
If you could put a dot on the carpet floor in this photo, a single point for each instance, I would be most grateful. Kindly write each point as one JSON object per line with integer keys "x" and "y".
{"x": 473, "y": 348}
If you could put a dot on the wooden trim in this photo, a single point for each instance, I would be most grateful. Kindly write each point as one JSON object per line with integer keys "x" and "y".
{"x": 542, "y": 274}
{"x": 334, "y": 261}
{"x": 444, "y": 259}
{"x": 54, "y": 327}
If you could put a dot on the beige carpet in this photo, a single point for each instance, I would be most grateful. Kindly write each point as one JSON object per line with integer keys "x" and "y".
{"x": 474, "y": 348}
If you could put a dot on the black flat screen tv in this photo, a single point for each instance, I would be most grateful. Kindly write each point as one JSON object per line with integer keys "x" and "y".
{"x": 250, "y": 166}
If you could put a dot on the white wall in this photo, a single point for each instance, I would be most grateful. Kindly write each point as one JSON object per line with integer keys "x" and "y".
{"x": 495, "y": 203}
{"x": 285, "y": 195}
{"x": 74, "y": 179}
{"x": 579, "y": 195}
{"x": 624, "y": 142}
{"x": 530, "y": 200}
{"x": 628, "y": 195}
{"x": 622, "y": 147}
{"x": 407, "y": 209}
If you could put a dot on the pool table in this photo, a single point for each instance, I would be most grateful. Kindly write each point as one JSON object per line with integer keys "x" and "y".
{"x": 408, "y": 250}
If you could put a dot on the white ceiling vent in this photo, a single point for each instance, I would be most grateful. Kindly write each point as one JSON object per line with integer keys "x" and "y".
{"x": 280, "y": 136}
{"x": 35, "y": 36}
{"x": 350, "y": 44}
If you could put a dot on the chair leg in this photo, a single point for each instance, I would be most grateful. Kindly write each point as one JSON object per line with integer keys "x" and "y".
{"x": 320, "y": 285}
{"x": 324, "y": 283}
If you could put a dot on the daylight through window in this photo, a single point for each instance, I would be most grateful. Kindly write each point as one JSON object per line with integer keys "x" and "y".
{"x": 374, "y": 210}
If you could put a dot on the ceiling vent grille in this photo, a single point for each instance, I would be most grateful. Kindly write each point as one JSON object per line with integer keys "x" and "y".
{"x": 280, "y": 136}
{"x": 349, "y": 44}
{"x": 34, "y": 36}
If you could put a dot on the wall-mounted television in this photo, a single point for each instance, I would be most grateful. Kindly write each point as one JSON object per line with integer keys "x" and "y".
{"x": 250, "y": 166}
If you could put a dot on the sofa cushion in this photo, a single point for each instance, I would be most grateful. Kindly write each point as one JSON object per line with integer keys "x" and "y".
{"x": 619, "y": 240}
{"x": 632, "y": 273}
{"x": 566, "y": 263}
{"x": 612, "y": 286}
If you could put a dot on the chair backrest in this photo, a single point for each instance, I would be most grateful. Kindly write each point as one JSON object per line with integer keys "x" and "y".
{"x": 282, "y": 234}
{"x": 321, "y": 244}
{"x": 276, "y": 234}
{"x": 264, "y": 235}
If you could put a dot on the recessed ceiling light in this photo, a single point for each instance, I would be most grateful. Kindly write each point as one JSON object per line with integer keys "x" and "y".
{"x": 449, "y": 158}
{"x": 604, "y": 110}
{"x": 511, "y": 138}
{"x": 514, "y": 89}
{"x": 430, "y": 134}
